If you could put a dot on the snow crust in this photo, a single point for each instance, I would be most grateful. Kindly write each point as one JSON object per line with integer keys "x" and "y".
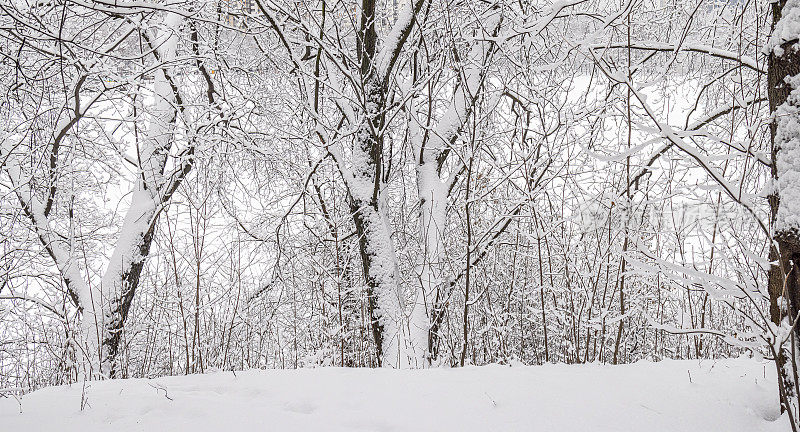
{"x": 788, "y": 28}
{"x": 735, "y": 395}
{"x": 788, "y": 162}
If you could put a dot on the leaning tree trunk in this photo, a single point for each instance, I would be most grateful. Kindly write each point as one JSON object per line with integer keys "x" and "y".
{"x": 104, "y": 307}
{"x": 433, "y": 188}
{"x": 784, "y": 276}
{"x": 121, "y": 278}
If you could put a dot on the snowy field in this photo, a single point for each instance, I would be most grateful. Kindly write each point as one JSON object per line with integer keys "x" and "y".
{"x": 726, "y": 396}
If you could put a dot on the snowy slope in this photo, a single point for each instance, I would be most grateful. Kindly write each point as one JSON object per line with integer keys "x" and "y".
{"x": 726, "y": 395}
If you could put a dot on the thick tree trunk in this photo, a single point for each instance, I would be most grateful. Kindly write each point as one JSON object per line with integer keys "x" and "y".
{"x": 784, "y": 276}
{"x": 386, "y": 299}
{"x": 366, "y": 181}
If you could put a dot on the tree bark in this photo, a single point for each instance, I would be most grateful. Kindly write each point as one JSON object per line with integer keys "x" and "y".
{"x": 784, "y": 277}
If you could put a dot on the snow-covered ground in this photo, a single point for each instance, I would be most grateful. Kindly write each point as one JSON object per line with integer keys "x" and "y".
{"x": 727, "y": 396}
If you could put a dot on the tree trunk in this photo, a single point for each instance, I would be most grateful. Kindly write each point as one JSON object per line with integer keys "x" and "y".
{"x": 110, "y": 306}
{"x": 432, "y": 193}
{"x": 378, "y": 256}
{"x": 784, "y": 277}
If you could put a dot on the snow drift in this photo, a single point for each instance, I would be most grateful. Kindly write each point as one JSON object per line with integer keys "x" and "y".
{"x": 692, "y": 396}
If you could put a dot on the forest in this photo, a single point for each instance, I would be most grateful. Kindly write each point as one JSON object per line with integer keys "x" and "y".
{"x": 206, "y": 186}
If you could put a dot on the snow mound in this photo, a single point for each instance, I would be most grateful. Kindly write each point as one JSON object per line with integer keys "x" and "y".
{"x": 693, "y": 396}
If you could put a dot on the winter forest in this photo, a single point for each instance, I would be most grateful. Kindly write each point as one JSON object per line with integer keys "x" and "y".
{"x": 217, "y": 186}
